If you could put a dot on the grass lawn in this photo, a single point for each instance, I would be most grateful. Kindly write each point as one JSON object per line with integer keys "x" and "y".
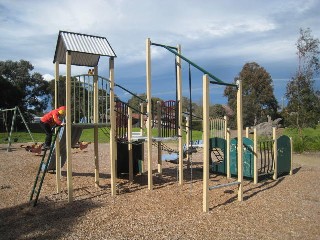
{"x": 307, "y": 140}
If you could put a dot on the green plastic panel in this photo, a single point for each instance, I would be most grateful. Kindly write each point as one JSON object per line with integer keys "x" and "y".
{"x": 248, "y": 155}
{"x": 284, "y": 154}
{"x": 222, "y": 144}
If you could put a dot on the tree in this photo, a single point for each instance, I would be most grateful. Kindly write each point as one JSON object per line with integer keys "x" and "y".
{"x": 258, "y": 97}
{"x": 21, "y": 88}
{"x": 217, "y": 111}
{"x": 10, "y": 94}
{"x": 134, "y": 102}
{"x": 303, "y": 109}
{"x": 37, "y": 93}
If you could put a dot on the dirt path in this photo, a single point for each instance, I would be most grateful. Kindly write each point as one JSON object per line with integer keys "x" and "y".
{"x": 311, "y": 159}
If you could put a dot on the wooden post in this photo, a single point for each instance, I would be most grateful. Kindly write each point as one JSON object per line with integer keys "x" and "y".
{"x": 130, "y": 152}
{"x": 225, "y": 126}
{"x": 96, "y": 121}
{"x": 179, "y": 93}
{"x": 159, "y": 135}
{"x": 240, "y": 141}
{"x": 141, "y": 132}
{"x": 56, "y": 105}
{"x": 255, "y": 157}
{"x": 275, "y": 153}
{"x": 291, "y": 155}
{"x": 112, "y": 128}
{"x": 149, "y": 132}
{"x": 227, "y": 138}
{"x": 68, "y": 126}
{"x": 206, "y": 143}
{"x": 228, "y": 153}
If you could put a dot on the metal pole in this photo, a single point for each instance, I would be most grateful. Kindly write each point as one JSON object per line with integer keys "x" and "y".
{"x": 12, "y": 126}
{"x": 25, "y": 123}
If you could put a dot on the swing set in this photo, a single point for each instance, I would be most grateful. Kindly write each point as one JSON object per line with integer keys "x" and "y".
{"x": 12, "y": 113}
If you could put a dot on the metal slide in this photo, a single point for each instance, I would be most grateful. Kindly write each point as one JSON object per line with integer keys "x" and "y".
{"x": 48, "y": 160}
{"x": 75, "y": 136}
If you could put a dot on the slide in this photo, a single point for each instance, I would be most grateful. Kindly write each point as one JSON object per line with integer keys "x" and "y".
{"x": 76, "y": 132}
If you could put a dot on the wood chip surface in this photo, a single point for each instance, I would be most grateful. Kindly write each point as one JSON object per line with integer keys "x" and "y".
{"x": 288, "y": 208}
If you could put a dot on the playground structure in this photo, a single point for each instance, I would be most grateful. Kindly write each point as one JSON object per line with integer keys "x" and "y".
{"x": 13, "y": 112}
{"x": 91, "y": 103}
{"x": 71, "y": 50}
{"x": 89, "y": 99}
{"x": 272, "y": 157}
{"x": 83, "y": 50}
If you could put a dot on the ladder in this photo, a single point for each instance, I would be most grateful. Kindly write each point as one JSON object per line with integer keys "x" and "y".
{"x": 45, "y": 161}
{"x": 218, "y": 154}
{"x": 106, "y": 131}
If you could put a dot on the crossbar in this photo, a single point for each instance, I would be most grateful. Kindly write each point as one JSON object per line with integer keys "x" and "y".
{"x": 217, "y": 80}
{"x": 90, "y": 125}
{"x": 224, "y": 185}
{"x": 8, "y": 109}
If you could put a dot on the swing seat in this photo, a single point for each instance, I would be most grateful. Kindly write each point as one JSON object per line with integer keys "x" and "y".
{"x": 197, "y": 144}
{"x": 171, "y": 157}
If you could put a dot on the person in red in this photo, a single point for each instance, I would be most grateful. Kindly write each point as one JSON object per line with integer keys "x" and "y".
{"x": 49, "y": 121}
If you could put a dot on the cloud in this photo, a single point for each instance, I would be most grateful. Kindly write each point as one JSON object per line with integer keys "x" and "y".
{"x": 48, "y": 77}
{"x": 221, "y": 36}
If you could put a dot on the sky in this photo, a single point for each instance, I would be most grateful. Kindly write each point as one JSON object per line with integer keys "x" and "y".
{"x": 219, "y": 36}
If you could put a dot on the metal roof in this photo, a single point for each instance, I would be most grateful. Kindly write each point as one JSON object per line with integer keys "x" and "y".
{"x": 85, "y": 49}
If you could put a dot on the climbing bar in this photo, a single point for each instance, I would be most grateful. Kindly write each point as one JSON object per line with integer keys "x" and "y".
{"x": 224, "y": 84}
{"x": 218, "y": 81}
{"x": 117, "y": 85}
{"x": 161, "y": 45}
{"x": 224, "y": 185}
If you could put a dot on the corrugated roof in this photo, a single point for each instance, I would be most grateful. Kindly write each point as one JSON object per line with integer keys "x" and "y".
{"x": 85, "y": 49}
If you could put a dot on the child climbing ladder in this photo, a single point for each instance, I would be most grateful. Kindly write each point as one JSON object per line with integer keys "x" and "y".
{"x": 43, "y": 168}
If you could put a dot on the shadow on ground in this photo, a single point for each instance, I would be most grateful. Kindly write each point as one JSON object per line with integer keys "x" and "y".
{"x": 27, "y": 222}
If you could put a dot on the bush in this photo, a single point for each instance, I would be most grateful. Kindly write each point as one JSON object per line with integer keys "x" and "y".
{"x": 308, "y": 139}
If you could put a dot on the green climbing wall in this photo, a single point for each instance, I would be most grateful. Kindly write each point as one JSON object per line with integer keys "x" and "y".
{"x": 284, "y": 155}
{"x": 222, "y": 144}
{"x": 248, "y": 155}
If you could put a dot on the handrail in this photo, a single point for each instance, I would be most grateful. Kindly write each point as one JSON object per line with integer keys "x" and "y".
{"x": 218, "y": 81}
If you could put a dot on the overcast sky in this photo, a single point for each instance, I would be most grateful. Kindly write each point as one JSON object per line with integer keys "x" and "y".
{"x": 220, "y": 36}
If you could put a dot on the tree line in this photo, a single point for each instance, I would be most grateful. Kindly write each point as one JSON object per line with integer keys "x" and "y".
{"x": 21, "y": 87}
